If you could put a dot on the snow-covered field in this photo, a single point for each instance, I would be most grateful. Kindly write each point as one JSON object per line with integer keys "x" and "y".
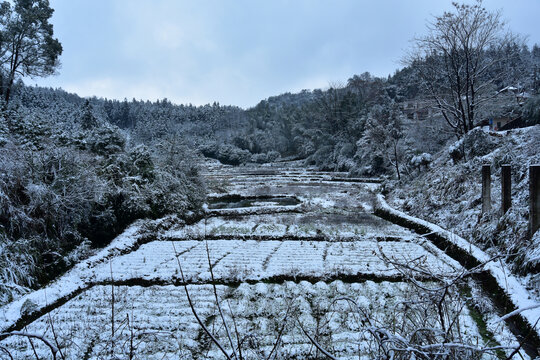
{"x": 241, "y": 260}
{"x": 159, "y": 323}
{"x": 323, "y": 267}
{"x": 330, "y": 225}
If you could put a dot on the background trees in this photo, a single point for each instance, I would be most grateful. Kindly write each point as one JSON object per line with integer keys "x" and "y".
{"x": 27, "y": 45}
{"x": 380, "y": 143}
{"x": 458, "y": 61}
{"x": 70, "y": 180}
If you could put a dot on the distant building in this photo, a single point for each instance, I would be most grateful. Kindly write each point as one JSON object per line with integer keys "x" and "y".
{"x": 520, "y": 96}
{"x": 416, "y": 109}
{"x": 505, "y": 112}
{"x": 498, "y": 123}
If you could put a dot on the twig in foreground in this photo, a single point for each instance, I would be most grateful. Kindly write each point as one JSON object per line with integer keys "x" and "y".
{"x": 212, "y": 337}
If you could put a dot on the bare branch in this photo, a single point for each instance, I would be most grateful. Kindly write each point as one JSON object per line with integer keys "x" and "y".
{"x": 517, "y": 311}
{"x": 6, "y": 351}
{"x": 317, "y": 345}
{"x": 201, "y": 323}
{"x": 217, "y": 300}
{"x": 53, "y": 349}
{"x": 278, "y": 340}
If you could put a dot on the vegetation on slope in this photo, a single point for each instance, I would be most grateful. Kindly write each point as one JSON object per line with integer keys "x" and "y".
{"x": 449, "y": 192}
{"x": 71, "y": 181}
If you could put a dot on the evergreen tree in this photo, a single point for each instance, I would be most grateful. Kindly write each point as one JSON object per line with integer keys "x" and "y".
{"x": 88, "y": 120}
{"x": 27, "y": 46}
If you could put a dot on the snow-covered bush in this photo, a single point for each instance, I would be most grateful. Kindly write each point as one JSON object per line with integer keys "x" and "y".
{"x": 16, "y": 263}
{"x": 475, "y": 143}
{"x": 479, "y": 143}
{"x": 226, "y": 153}
{"x": 105, "y": 140}
{"x": 531, "y": 111}
{"x": 449, "y": 193}
{"x": 531, "y": 255}
{"x": 322, "y": 158}
{"x": 62, "y": 185}
{"x": 259, "y": 158}
{"x": 421, "y": 161}
{"x": 456, "y": 151}
{"x": 45, "y": 195}
{"x": 272, "y": 155}
{"x": 263, "y": 158}
{"x": 4, "y": 130}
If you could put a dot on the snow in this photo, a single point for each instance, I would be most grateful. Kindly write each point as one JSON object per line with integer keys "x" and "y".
{"x": 333, "y": 226}
{"x": 243, "y": 260}
{"x": 260, "y": 259}
{"x": 71, "y": 282}
{"x": 168, "y": 329}
{"x": 513, "y": 286}
{"x": 257, "y": 209}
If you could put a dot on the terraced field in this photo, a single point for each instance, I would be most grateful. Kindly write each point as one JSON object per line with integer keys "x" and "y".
{"x": 268, "y": 277}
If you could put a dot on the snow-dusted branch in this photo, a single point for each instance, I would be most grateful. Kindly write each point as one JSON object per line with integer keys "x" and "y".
{"x": 53, "y": 349}
{"x": 518, "y": 311}
{"x": 316, "y": 344}
{"x": 218, "y": 304}
{"x": 201, "y": 323}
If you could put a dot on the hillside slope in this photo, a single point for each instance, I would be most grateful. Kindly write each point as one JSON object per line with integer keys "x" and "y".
{"x": 448, "y": 193}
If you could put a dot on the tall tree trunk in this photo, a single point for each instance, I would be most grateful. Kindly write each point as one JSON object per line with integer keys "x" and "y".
{"x": 8, "y": 92}
{"x": 396, "y": 160}
{"x": 11, "y": 79}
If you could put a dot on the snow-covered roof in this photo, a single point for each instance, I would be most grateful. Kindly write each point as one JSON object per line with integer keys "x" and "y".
{"x": 508, "y": 88}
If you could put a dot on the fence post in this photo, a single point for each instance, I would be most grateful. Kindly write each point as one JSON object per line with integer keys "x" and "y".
{"x": 534, "y": 198}
{"x": 486, "y": 188}
{"x": 506, "y": 182}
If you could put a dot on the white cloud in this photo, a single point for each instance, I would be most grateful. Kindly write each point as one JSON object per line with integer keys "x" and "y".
{"x": 169, "y": 35}
{"x": 235, "y": 52}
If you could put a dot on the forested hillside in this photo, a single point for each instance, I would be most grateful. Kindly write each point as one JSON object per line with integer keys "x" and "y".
{"x": 71, "y": 180}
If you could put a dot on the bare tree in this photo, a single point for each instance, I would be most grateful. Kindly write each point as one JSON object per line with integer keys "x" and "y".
{"x": 459, "y": 61}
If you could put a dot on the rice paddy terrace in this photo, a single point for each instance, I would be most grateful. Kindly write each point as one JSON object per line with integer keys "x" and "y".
{"x": 292, "y": 258}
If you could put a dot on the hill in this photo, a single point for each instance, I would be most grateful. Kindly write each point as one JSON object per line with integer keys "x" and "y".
{"x": 448, "y": 192}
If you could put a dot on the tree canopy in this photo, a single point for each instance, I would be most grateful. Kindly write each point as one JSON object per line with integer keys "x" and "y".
{"x": 459, "y": 61}
{"x": 27, "y": 45}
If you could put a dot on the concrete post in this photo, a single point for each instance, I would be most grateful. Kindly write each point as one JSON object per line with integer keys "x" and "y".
{"x": 486, "y": 188}
{"x": 534, "y": 198}
{"x": 506, "y": 182}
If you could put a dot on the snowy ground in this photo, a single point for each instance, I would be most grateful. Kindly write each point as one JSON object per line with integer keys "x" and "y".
{"x": 277, "y": 269}
{"x": 162, "y": 325}
{"x": 242, "y": 260}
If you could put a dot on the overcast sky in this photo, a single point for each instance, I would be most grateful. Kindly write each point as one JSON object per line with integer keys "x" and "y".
{"x": 240, "y": 51}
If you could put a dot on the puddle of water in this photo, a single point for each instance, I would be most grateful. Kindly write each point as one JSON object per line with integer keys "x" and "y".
{"x": 234, "y": 202}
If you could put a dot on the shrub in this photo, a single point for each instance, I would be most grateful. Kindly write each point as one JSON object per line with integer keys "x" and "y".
{"x": 60, "y": 188}
{"x": 226, "y": 153}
